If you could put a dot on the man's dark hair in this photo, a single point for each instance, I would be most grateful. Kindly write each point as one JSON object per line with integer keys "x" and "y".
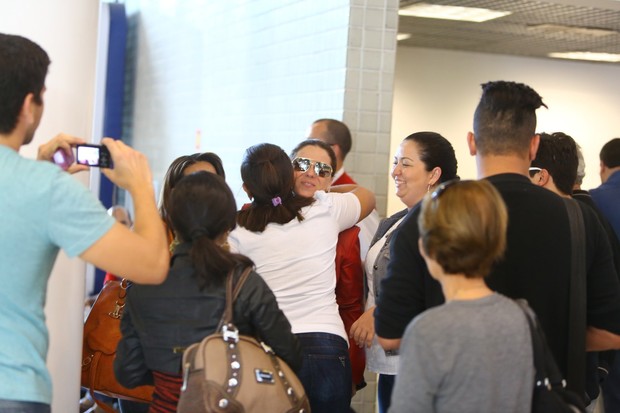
{"x": 339, "y": 134}
{"x": 23, "y": 68}
{"x": 505, "y": 119}
{"x": 557, "y": 153}
{"x": 610, "y": 153}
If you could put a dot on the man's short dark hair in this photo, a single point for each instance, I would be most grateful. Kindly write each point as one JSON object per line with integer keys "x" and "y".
{"x": 338, "y": 133}
{"x": 23, "y": 68}
{"x": 505, "y": 119}
{"x": 557, "y": 153}
{"x": 610, "y": 153}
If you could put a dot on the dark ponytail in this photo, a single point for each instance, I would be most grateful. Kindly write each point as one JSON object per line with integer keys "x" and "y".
{"x": 212, "y": 262}
{"x": 267, "y": 174}
{"x": 203, "y": 211}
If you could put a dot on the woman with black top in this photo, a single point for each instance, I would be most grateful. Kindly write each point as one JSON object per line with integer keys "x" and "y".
{"x": 160, "y": 321}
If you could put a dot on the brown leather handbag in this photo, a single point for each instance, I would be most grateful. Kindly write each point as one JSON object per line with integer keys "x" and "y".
{"x": 232, "y": 373}
{"x": 102, "y": 332}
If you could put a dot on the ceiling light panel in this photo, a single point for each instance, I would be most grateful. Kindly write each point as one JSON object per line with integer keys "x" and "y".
{"x": 592, "y": 56}
{"x": 437, "y": 11}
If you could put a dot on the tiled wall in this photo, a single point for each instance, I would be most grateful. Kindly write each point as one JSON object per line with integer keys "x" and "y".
{"x": 221, "y": 76}
{"x": 371, "y": 59}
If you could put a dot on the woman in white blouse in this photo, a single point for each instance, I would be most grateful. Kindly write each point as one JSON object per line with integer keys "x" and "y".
{"x": 292, "y": 239}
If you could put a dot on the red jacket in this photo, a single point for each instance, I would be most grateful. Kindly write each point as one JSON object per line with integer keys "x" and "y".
{"x": 344, "y": 179}
{"x": 350, "y": 293}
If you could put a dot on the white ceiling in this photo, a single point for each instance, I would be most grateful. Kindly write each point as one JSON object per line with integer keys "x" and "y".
{"x": 516, "y": 34}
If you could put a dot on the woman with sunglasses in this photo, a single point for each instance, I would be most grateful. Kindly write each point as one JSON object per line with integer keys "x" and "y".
{"x": 423, "y": 161}
{"x": 474, "y": 353}
{"x": 292, "y": 240}
{"x": 314, "y": 163}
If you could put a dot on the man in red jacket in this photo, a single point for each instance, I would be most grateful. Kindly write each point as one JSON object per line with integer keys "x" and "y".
{"x": 338, "y": 136}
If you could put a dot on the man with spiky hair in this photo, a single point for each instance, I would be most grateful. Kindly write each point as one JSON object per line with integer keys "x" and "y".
{"x": 537, "y": 263}
{"x": 338, "y": 135}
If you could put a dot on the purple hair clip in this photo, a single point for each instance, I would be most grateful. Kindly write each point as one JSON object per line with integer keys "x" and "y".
{"x": 276, "y": 201}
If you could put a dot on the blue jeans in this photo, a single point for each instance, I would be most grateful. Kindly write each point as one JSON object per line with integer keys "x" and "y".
{"x": 16, "y": 406}
{"x": 326, "y": 372}
{"x": 611, "y": 386}
{"x": 385, "y": 385}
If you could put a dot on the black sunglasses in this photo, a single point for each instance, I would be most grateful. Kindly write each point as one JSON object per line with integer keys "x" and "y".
{"x": 321, "y": 169}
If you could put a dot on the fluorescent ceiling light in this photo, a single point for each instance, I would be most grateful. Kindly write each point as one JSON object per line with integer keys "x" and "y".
{"x": 577, "y": 30}
{"x": 436, "y": 11}
{"x": 402, "y": 36}
{"x": 597, "y": 57}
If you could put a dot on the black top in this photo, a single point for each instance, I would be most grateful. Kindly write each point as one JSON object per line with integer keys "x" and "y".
{"x": 408, "y": 288}
{"x": 159, "y": 321}
{"x": 536, "y": 267}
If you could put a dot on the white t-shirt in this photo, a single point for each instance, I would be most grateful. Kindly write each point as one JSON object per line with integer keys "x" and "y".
{"x": 296, "y": 260}
{"x": 376, "y": 360}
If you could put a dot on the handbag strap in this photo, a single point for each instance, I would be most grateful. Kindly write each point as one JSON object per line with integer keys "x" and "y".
{"x": 91, "y": 377}
{"x": 576, "y": 370}
{"x": 547, "y": 372}
{"x": 232, "y": 294}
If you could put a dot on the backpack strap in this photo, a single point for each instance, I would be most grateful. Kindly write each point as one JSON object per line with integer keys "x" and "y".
{"x": 576, "y": 370}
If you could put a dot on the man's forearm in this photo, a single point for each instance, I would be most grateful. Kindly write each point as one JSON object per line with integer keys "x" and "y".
{"x": 601, "y": 340}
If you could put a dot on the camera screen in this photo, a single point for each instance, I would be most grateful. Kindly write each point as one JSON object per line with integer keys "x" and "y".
{"x": 88, "y": 155}
{"x": 93, "y": 155}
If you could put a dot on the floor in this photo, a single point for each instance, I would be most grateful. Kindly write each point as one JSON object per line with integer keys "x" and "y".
{"x": 365, "y": 400}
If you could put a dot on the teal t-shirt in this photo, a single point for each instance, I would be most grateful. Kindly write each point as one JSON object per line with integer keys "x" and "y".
{"x": 42, "y": 209}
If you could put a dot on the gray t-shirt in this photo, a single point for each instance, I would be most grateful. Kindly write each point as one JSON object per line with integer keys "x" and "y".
{"x": 466, "y": 356}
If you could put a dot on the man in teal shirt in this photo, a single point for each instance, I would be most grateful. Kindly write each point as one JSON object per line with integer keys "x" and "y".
{"x": 43, "y": 209}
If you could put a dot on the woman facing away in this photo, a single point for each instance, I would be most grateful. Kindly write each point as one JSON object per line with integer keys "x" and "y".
{"x": 349, "y": 272}
{"x": 180, "y": 167}
{"x": 473, "y": 353}
{"x": 423, "y": 161}
{"x": 160, "y": 321}
{"x": 292, "y": 239}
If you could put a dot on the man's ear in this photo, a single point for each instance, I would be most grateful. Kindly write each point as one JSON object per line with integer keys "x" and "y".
{"x": 337, "y": 151}
{"x": 28, "y": 110}
{"x": 543, "y": 177}
{"x": 602, "y": 171}
{"x": 534, "y": 147}
{"x": 471, "y": 143}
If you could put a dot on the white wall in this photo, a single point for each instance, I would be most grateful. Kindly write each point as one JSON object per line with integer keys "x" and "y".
{"x": 67, "y": 30}
{"x": 438, "y": 90}
{"x": 222, "y": 76}
{"x": 235, "y": 74}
